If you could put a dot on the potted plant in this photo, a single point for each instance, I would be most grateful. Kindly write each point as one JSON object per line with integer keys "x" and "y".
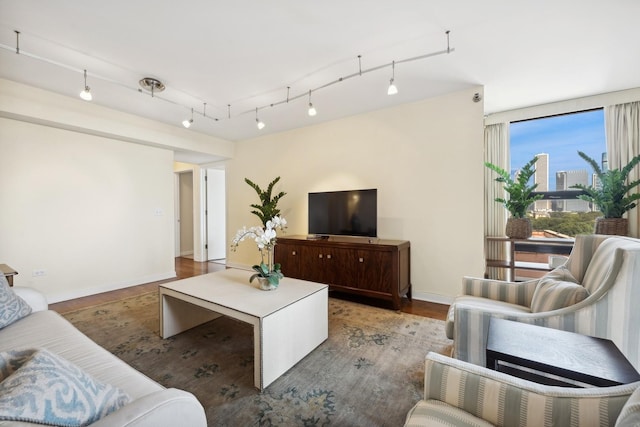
{"x": 520, "y": 198}
{"x": 269, "y": 205}
{"x": 267, "y": 272}
{"x": 611, "y": 196}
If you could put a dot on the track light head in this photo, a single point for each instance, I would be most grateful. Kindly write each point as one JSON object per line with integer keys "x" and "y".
{"x": 312, "y": 110}
{"x": 86, "y": 93}
{"x": 392, "y": 90}
{"x": 260, "y": 125}
{"x": 188, "y": 122}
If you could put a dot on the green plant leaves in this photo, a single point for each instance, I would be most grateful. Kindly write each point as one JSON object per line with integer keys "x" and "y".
{"x": 262, "y": 270}
{"x": 268, "y": 207}
{"x": 611, "y": 195}
{"x": 519, "y": 190}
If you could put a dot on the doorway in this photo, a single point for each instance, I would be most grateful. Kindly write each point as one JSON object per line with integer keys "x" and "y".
{"x": 184, "y": 215}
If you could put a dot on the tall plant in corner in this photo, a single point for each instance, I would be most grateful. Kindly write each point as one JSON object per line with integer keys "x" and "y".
{"x": 520, "y": 197}
{"x": 268, "y": 207}
{"x": 611, "y": 195}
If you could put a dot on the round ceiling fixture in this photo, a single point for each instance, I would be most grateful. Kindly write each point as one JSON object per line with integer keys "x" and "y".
{"x": 151, "y": 85}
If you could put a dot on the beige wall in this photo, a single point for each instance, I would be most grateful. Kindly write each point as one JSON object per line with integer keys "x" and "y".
{"x": 425, "y": 159}
{"x": 80, "y": 203}
{"x": 93, "y": 213}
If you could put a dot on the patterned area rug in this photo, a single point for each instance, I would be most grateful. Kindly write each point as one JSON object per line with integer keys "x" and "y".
{"x": 368, "y": 373}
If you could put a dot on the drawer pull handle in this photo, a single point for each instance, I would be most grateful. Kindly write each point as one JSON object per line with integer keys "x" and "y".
{"x": 328, "y": 256}
{"x": 319, "y": 255}
{"x": 361, "y": 259}
{"x": 293, "y": 253}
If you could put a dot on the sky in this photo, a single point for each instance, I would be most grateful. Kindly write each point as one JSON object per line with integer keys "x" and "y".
{"x": 561, "y": 137}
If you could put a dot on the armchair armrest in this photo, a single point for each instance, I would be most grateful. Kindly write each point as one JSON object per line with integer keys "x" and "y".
{"x": 502, "y": 399}
{"x": 515, "y": 293}
{"x": 519, "y": 293}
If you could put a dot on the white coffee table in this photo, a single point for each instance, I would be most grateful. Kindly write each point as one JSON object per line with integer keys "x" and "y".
{"x": 288, "y": 323}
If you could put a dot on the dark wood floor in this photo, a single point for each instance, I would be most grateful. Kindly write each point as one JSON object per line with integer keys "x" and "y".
{"x": 188, "y": 268}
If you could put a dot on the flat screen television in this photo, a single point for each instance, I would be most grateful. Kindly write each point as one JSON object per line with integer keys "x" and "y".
{"x": 344, "y": 213}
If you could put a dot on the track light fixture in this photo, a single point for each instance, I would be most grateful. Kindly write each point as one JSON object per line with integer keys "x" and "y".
{"x": 86, "y": 93}
{"x": 153, "y": 86}
{"x": 187, "y": 122}
{"x": 259, "y": 124}
{"x": 312, "y": 111}
{"x": 392, "y": 87}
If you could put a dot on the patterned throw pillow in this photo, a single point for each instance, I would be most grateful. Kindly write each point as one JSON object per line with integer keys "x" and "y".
{"x": 557, "y": 289}
{"x": 12, "y": 307}
{"x": 39, "y": 387}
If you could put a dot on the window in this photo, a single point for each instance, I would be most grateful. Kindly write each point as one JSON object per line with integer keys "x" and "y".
{"x": 556, "y": 141}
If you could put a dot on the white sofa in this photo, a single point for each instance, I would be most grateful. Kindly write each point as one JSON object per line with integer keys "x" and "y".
{"x": 150, "y": 404}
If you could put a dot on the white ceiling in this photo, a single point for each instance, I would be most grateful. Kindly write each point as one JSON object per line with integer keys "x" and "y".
{"x": 245, "y": 53}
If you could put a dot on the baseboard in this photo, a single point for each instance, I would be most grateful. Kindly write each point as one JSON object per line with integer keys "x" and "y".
{"x": 239, "y": 266}
{"x": 429, "y": 297}
{"x": 65, "y": 296}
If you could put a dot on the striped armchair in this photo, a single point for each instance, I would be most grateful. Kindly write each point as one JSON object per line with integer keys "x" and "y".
{"x": 606, "y": 271}
{"x": 458, "y": 393}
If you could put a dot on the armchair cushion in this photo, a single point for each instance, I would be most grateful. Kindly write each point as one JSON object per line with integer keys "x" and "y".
{"x": 557, "y": 289}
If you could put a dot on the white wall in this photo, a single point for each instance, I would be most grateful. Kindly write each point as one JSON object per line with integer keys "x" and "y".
{"x": 87, "y": 192}
{"x": 94, "y": 213}
{"x": 425, "y": 159}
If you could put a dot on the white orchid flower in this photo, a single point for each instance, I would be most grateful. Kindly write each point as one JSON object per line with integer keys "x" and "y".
{"x": 264, "y": 238}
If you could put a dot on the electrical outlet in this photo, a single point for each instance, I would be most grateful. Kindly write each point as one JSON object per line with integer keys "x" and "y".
{"x": 38, "y": 273}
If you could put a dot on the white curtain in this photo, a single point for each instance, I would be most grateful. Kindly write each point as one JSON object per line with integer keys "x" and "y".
{"x": 622, "y": 125}
{"x": 496, "y": 151}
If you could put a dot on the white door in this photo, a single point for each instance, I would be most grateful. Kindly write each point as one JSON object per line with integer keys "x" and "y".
{"x": 215, "y": 211}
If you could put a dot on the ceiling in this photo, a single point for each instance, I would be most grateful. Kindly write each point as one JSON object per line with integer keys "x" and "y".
{"x": 246, "y": 53}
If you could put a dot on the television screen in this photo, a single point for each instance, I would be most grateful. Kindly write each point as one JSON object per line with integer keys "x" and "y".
{"x": 344, "y": 213}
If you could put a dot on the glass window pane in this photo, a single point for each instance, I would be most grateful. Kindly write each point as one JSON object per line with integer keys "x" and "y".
{"x": 556, "y": 141}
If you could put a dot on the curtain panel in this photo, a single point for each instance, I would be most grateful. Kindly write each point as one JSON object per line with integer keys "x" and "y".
{"x": 622, "y": 128}
{"x": 496, "y": 151}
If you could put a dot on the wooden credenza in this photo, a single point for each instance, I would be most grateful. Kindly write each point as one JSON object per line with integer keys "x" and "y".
{"x": 373, "y": 267}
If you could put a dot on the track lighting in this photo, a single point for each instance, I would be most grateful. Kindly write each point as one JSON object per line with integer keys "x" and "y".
{"x": 86, "y": 93}
{"x": 312, "y": 110}
{"x": 187, "y": 122}
{"x": 392, "y": 87}
{"x": 259, "y": 124}
{"x": 154, "y": 86}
